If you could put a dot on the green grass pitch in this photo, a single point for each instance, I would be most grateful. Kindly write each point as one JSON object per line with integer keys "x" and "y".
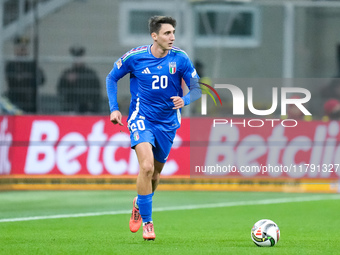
{"x": 186, "y": 222}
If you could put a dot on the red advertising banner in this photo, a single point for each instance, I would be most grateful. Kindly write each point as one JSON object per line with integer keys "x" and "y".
{"x": 264, "y": 148}
{"x": 93, "y": 146}
{"x": 76, "y": 145}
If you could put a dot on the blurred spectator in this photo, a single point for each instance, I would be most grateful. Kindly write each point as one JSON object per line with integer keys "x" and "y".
{"x": 22, "y": 77}
{"x": 196, "y": 106}
{"x": 293, "y": 112}
{"x": 79, "y": 85}
{"x": 332, "y": 90}
{"x": 332, "y": 109}
{"x": 200, "y": 69}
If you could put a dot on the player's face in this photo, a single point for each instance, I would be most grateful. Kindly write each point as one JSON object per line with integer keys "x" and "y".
{"x": 165, "y": 37}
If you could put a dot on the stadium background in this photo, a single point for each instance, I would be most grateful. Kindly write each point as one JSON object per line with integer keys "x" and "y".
{"x": 231, "y": 39}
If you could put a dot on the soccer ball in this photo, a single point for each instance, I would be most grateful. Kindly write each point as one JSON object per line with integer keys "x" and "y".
{"x": 265, "y": 233}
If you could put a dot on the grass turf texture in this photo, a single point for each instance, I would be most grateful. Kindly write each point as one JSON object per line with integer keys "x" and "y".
{"x": 310, "y": 227}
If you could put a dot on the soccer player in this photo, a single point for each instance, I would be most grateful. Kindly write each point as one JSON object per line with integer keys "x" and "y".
{"x": 156, "y": 72}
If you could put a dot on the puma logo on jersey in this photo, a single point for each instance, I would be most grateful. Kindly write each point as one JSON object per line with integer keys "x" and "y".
{"x": 146, "y": 70}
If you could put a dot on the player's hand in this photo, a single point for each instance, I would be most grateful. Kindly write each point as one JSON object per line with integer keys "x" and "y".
{"x": 116, "y": 118}
{"x": 178, "y": 102}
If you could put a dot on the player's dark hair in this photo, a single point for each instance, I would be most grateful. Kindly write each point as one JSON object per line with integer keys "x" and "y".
{"x": 156, "y": 22}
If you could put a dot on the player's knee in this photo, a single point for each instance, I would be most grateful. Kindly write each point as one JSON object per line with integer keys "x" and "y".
{"x": 147, "y": 169}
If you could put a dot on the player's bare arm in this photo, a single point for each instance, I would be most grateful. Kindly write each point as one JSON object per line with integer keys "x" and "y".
{"x": 116, "y": 118}
{"x": 178, "y": 102}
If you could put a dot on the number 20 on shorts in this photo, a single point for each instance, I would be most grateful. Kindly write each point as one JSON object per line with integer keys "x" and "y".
{"x": 138, "y": 125}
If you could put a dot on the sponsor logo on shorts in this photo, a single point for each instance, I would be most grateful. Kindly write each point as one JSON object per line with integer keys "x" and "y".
{"x": 136, "y": 136}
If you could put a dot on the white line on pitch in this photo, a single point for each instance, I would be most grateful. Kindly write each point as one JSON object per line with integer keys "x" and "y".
{"x": 182, "y": 207}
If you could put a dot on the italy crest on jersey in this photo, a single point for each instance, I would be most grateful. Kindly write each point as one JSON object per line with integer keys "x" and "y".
{"x": 172, "y": 67}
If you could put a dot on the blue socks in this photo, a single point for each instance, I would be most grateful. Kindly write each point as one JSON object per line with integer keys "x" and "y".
{"x": 145, "y": 207}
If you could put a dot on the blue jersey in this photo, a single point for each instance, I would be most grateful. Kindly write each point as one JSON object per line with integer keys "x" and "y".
{"x": 153, "y": 81}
